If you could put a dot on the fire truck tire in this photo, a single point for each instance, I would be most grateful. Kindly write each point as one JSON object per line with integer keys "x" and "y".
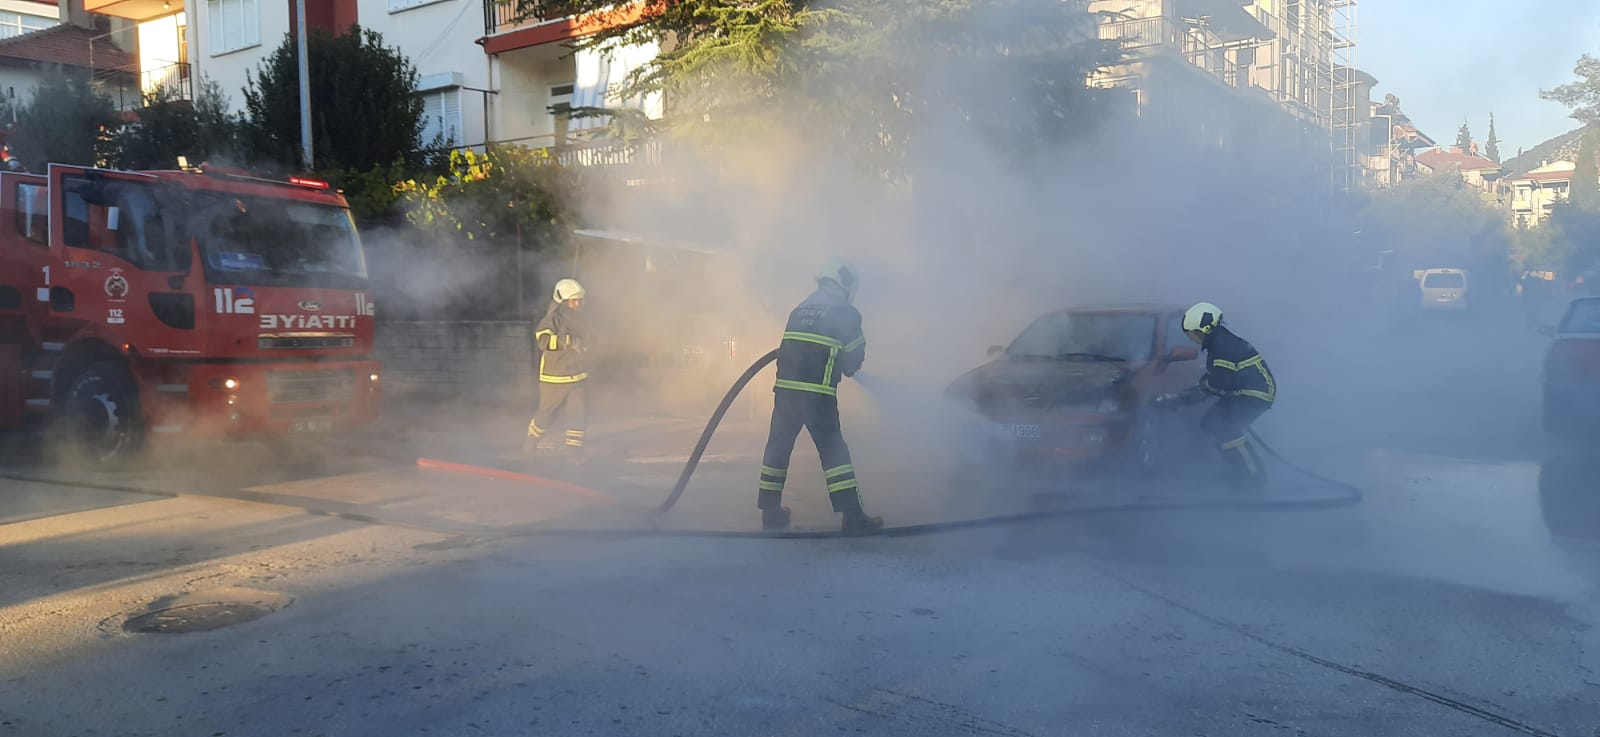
{"x": 100, "y": 417}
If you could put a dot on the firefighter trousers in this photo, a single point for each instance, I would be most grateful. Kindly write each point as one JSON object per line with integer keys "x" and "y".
{"x": 571, "y": 401}
{"x": 819, "y": 413}
{"x": 1227, "y": 423}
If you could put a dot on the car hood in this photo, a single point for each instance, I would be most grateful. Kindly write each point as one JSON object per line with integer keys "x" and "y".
{"x": 1043, "y": 384}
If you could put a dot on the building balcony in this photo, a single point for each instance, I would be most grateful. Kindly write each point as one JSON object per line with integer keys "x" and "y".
{"x": 1201, "y": 48}
{"x": 516, "y": 24}
{"x": 138, "y": 11}
{"x": 175, "y": 79}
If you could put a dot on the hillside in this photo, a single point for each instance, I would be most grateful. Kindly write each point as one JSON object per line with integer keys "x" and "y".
{"x": 1564, "y": 146}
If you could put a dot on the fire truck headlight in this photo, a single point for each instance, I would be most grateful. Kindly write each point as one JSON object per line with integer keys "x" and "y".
{"x": 373, "y": 378}
{"x": 230, "y": 384}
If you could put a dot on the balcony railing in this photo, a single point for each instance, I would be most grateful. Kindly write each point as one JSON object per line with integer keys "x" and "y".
{"x": 1200, "y": 47}
{"x": 504, "y": 15}
{"x": 174, "y": 78}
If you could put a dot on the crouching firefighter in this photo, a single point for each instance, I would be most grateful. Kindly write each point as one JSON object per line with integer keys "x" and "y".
{"x": 821, "y": 344}
{"x": 563, "y": 371}
{"x": 1244, "y": 387}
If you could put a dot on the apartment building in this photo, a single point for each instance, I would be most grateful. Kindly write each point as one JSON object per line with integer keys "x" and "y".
{"x": 1533, "y": 195}
{"x": 1247, "y": 74}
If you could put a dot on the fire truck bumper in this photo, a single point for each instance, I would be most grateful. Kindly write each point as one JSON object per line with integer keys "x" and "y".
{"x": 249, "y": 399}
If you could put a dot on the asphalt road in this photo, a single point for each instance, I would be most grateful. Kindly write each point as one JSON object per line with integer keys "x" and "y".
{"x": 399, "y": 601}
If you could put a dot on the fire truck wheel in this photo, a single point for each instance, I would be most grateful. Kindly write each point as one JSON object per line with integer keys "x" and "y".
{"x": 100, "y": 414}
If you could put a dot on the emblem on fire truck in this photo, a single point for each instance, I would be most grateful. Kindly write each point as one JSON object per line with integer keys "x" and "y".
{"x": 310, "y": 305}
{"x": 116, "y": 286}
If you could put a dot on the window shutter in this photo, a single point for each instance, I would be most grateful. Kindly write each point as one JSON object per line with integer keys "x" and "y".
{"x": 250, "y": 27}
{"x": 432, "y": 117}
{"x": 450, "y": 104}
{"x": 214, "y": 25}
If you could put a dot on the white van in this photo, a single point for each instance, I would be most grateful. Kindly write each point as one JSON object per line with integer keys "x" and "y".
{"x": 1444, "y": 289}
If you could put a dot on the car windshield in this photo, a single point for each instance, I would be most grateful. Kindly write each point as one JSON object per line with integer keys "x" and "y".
{"x": 1444, "y": 281}
{"x": 258, "y": 240}
{"x": 1582, "y": 317}
{"x": 1087, "y": 336}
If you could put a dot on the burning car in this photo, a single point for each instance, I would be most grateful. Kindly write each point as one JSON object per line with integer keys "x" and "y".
{"x": 1072, "y": 389}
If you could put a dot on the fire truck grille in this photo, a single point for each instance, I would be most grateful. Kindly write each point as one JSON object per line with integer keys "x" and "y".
{"x": 289, "y": 387}
{"x": 306, "y": 341}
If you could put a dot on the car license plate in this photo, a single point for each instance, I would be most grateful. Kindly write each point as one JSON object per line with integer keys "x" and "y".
{"x": 312, "y": 426}
{"x": 1023, "y": 431}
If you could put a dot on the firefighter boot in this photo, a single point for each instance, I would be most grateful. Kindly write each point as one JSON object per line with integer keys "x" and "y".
{"x": 776, "y": 518}
{"x": 856, "y": 522}
{"x": 530, "y": 448}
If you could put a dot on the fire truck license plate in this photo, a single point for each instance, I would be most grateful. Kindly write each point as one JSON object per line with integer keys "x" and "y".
{"x": 313, "y": 426}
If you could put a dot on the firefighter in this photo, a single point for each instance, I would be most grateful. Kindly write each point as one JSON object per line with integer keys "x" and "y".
{"x": 563, "y": 370}
{"x": 822, "y": 343}
{"x": 1238, "y": 377}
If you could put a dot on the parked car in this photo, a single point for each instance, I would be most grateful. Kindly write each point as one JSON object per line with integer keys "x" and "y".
{"x": 1445, "y": 289}
{"x": 1572, "y": 371}
{"x": 1072, "y": 389}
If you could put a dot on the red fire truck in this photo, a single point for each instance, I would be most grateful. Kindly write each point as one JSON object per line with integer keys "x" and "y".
{"x": 189, "y": 302}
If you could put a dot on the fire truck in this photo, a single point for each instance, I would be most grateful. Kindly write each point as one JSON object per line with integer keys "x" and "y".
{"x": 194, "y": 302}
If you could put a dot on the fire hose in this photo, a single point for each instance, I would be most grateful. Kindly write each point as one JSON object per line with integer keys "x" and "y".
{"x": 1350, "y": 496}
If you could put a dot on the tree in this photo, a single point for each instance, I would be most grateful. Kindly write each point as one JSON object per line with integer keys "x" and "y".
{"x": 1464, "y": 138}
{"x": 1585, "y": 186}
{"x": 1583, "y": 95}
{"x": 167, "y": 127}
{"x": 69, "y": 121}
{"x": 1437, "y": 220}
{"x": 505, "y": 191}
{"x": 864, "y": 78}
{"x": 365, "y": 111}
{"x": 1492, "y": 147}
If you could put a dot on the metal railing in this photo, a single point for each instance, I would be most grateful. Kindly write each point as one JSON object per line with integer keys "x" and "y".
{"x": 175, "y": 78}
{"x": 1200, "y": 47}
{"x": 504, "y": 15}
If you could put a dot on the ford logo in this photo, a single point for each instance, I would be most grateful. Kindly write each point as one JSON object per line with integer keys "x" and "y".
{"x": 310, "y": 306}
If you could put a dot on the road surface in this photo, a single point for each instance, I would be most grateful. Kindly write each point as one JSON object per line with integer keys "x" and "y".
{"x": 370, "y": 597}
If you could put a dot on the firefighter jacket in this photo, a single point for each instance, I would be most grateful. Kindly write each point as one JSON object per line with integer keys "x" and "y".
{"x": 1235, "y": 369}
{"x": 821, "y": 343}
{"x": 562, "y": 354}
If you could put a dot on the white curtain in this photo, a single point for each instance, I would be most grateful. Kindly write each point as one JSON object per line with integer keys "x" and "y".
{"x": 601, "y": 72}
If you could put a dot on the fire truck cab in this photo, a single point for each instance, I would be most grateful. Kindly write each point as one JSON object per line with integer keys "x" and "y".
{"x": 189, "y": 302}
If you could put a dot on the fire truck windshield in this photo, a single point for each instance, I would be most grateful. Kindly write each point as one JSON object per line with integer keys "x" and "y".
{"x": 263, "y": 241}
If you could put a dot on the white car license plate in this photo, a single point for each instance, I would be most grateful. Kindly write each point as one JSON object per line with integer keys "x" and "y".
{"x": 1023, "y": 431}
{"x": 312, "y": 426}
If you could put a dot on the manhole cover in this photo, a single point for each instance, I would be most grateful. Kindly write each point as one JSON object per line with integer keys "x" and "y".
{"x": 196, "y": 617}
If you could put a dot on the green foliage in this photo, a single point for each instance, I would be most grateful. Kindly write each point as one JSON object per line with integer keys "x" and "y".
{"x": 167, "y": 127}
{"x": 1583, "y": 95}
{"x": 493, "y": 194}
{"x": 364, "y": 109}
{"x": 866, "y": 78}
{"x": 1585, "y": 186}
{"x": 69, "y": 121}
{"x": 372, "y": 194}
{"x": 1492, "y": 146}
{"x": 1464, "y": 138}
{"x": 1438, "y": 221}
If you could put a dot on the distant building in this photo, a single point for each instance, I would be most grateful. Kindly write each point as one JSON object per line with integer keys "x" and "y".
{"x": 1479, "y": 173}
{"x": 1533, "y": 195}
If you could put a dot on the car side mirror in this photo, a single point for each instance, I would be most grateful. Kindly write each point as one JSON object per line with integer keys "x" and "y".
{"x": 1181, "y": 353}
{"x": 995, "y": 350}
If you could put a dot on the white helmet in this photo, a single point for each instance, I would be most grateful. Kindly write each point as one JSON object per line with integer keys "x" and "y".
{"x": 1200, "y": 320}
{"x": 841, "y": 272}
{"x": 568, "y": 289}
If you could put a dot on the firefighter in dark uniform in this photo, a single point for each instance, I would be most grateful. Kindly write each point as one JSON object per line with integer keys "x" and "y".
{"x": 1238, "y": 377}
{"x": 822, "y": 343}
{"x": 563, "y": 370}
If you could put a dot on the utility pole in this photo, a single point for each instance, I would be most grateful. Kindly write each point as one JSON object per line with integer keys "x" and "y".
{"x": 305, "y": 85}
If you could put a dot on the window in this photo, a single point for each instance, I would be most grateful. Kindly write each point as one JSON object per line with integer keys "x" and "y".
{"x": 33, "y": 214}
{"x": 16, "y": 24}
{"x": 561, "y": 112}
{"x": 441, "y": 116}
{"x": 265, "y": 241}
{"x": 121, "y": 218}
{"x": 1087, "y": 336}
{"x": 234, "y": 25}
{"x": 1583, "y": 316}
{"x": 1444, "y": 280}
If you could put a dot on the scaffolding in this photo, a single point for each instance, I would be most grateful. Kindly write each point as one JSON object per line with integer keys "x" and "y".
{"x": 1345, "y": 114}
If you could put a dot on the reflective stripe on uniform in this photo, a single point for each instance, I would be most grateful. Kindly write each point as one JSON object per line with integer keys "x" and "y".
{"x": 1256, "y": 362}
{"x": 1241, "y": 445}
{"x": 558, "y": 379}
{"x": 774, "y": 472}
{"x": 841, "y": 478}
{"x": 772, "y": 478}
{"x": 575, "y": 438}
{"x": 534, "y": 430}
{"x": 804, "y": 386}
{"x": 822, "y": 340}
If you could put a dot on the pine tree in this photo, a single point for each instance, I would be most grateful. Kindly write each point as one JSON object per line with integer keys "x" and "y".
{"x": 1493, "y": 146}
{"x": 1464, "y": 138}
{"x": 1585, "y": 192}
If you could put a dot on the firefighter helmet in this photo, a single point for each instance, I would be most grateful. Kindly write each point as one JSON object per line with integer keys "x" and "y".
{"x": 568, "y": 289}
{"x": 842, "y": 273}
{"x": 1200, "y": 320}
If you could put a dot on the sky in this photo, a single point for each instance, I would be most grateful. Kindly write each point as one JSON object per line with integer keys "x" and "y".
{"x": 1463, "y": 59}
